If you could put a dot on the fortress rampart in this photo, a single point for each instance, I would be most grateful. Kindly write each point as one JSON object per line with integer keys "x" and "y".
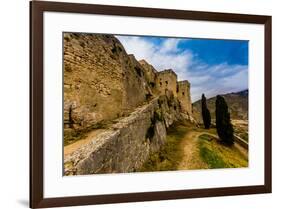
{"x": 129, "y": 101}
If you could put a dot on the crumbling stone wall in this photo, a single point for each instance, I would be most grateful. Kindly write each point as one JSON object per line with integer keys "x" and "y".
{"x": 166, "y": 80}
{"x": 150, "y": 74}
{"x": 101, "y": 82}
{"x": 127, "y": 144}
{"x": 183, "y": 95}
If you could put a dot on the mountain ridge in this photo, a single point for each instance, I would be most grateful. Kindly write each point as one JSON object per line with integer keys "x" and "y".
{"x": 237, "y": 103}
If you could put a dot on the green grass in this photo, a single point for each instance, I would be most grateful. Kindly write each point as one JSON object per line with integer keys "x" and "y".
{"x": 211, "y": 158}
{"x": 206, "y": 137}
{"x": 241, "y": 130}
{"x": 211, "y": 152}
{"x": 217, "y": 155}
{"x": 170, "y": 154}
{"x": 244, "y": 135}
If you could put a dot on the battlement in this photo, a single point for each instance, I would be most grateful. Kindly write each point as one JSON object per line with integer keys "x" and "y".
{"x": 143, "y": 62}
{"x": 131, "y": 56}
{"x": 167, "y": 72}
{"x": 184, "y": 82}
{"x": 148, "y": 67}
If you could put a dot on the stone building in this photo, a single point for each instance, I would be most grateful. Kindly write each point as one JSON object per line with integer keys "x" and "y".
{"x": 167, "y": 80}
{"x": 183, "y": 95}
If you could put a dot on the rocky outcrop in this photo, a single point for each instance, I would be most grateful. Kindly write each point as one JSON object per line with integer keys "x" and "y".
{"x": 127, "y": 144}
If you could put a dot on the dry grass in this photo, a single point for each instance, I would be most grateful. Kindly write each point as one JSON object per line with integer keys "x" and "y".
{"x": 189, "y": 148}
{"x": 218, "y": 155}
{"x": 241, "y": 128}
{"x": 71, "y": 147}
{"x": 170, "y": 155}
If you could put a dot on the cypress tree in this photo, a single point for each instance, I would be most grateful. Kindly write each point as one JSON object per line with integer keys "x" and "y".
{"x": 205, "y": 113}
{"x": 223, "y": 123}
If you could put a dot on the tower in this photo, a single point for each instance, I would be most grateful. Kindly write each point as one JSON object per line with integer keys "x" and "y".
{"x": 183, "y": 95}
{"x": 167, "y": 79}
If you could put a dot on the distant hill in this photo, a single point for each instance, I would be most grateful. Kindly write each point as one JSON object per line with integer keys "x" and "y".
{"x": 237, "y": 103}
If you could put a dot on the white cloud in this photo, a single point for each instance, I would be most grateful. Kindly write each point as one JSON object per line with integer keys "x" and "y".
{"x": 164, "y": 56}
{"x": 219, "y": 79}
{"x": 139, "y": 47}
{"x": 170, "y": 45}
{"x": 208, "y": 79}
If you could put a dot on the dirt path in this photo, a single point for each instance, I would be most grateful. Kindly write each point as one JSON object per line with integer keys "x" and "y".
{"x": 191, "y": 158}
{"x": 72, "y": 147}
{"x": 191, "y": 153}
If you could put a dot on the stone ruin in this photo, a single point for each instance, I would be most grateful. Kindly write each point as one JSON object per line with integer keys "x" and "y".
{"x": 167, "y": 80}
{"x": 106, "y": 88}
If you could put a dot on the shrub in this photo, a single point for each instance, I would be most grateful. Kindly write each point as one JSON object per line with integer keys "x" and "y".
{"x": 158, "y": 115}
{"x": 152, "y": 84}
{"x": 67, "y": 39}
{"x": 170, "y": 154}
{"x": 148, "y": 96}
{"x": 114, "y": 50}
{"x": 150, "y": 132}
{"x": 67, "y": 68}
{"x": 138, "y": 71}
{"x": 82, "y": 44}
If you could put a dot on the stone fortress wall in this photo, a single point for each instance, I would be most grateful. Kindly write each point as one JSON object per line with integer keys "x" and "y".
{"x": 183, "y": 94}
{"x": 101, "y": 82}
{"x": 105, "y": 88}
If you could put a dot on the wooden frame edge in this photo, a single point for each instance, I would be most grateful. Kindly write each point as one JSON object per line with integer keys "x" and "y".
{"x": 149, "y": 12}
{"x": 36, "y": 105}
{"x": 268, "y": 103}
{"x": 37, "y": 199}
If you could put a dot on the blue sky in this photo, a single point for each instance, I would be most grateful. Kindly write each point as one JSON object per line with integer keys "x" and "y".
{"x": 211, "y": 66}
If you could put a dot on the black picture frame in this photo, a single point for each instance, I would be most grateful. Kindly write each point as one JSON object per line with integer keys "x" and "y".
{"x": 37, "y": 8}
